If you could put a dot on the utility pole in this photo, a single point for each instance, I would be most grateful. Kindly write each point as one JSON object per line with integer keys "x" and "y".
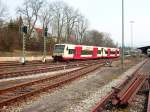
{"x": 45, "y": 36}
{"x": 23, "y": 49}
{"x": 122, "y": 58}
{"x": 131, "y": 22}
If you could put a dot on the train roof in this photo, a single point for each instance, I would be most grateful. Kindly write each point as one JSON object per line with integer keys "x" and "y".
{"x": 85, "y": 45}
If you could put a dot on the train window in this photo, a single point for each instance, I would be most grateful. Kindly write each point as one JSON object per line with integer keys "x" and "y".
{"x": 106, "y": 52}
{"x": 71, "y": 51}
{"x": 87, "y": 52}
{"x": 99, "y": 51}
{"x": 59, "y": 48}
{"x": 112, "y": 52}
{"x": 83, "y": 52}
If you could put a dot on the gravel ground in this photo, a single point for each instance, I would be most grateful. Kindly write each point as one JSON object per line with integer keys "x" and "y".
{"x": 79, "y": 96}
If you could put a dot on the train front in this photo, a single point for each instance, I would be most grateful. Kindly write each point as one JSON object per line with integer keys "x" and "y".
{"x": 58, "y": 52}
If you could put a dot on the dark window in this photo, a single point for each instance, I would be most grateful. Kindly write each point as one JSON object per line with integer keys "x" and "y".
{"x": 117, "y": 52}
{"x": 99, "y": 51}
{"x": 106, "y": 52}
{"x": 112, "y": 52}
{"x": 71, "y": 51}
{"x": 85, "y": 52}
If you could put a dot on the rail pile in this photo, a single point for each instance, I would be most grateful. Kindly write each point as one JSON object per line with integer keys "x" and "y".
{"x": 146, "y": 90}
{"x": 24, "y": 90}
{"x": 123, "y": 94}
{"x": 148, "y": 104}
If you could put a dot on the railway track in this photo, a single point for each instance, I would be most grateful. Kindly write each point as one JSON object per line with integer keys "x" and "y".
{"x": 123, "y": 94}
{"x": 17, "y": 64}
{"x": 4, "y": 65}
{"x": 24, "y": 90}
{"x": 11, "y": 63}
{"x": 43, "y": 69}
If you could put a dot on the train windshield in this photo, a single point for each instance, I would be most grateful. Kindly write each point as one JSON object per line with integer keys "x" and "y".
{"x": 59, "y": 48}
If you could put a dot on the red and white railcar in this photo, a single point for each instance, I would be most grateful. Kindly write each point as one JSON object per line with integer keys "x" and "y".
{"x": 76, "y": 52}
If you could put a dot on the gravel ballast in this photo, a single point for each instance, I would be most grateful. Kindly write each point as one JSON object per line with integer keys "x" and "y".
{"x": 79, "y": 96}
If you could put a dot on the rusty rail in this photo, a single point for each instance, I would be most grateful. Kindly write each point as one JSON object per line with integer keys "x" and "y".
{"x": 126, "y": 95}
{"x": 21, "y": 91}
{"x": 100, "y": 105}
{"x": 148, "y": 104}
{"x": 44, "y": 69}
{"x": 147, "y": 89}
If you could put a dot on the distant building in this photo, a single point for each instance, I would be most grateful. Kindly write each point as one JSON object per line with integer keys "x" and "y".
{"x": 37, "y": 33}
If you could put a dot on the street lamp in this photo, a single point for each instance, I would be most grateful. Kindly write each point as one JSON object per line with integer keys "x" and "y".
{"x": 122, "y": 58}
{"x": 131, "y": 26}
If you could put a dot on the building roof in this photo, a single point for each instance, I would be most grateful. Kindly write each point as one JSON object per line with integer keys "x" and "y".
{"x": 39, "y": 30}
{"x": 144, "y": 49}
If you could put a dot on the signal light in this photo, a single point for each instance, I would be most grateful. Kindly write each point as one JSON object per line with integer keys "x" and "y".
{"x": 24, "y": 29}
{"x": 45, "y": 31}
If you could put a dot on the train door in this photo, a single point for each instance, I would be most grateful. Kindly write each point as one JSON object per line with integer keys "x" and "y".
{"x": 116, "y": 53}
{"x": 95, "y": 50}
{"x": 108, "y": 52}
{"x": 102, "y": 51}
{"x": 77, "y": 54}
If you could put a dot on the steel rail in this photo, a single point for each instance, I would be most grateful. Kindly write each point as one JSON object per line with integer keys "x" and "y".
{"x": 39, "y": 69}
{"x": 100, "y": 105}
{"x": 18, "y": 92}
{"x": 148, "y": 104}
{"x": 132, "y": 90}
{"x": 42, "y": 70}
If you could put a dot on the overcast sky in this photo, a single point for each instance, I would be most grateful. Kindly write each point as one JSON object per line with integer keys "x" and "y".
{"x": 105, "y": 16}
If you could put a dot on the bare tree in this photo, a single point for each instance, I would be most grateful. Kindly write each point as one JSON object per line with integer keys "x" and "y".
{"x": 30, "y": 12}
{"x": 58, "y": 11}
{"x": 81, "y": 27}
{"x": 71, "y": 19}
{"x": 65, "y": 21}
{"x": 93, "y": 38}
{"x": 3, "y": 12}
{"x": 108, "y": 42}
{"x": 46, "y": 15}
